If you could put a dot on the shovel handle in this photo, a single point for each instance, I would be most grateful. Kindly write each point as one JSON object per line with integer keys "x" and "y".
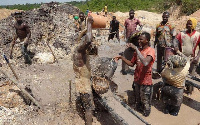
{"x": 4, "y": 56}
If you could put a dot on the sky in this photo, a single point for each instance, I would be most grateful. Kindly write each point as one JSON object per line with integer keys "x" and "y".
{"x": 12, "y": 2}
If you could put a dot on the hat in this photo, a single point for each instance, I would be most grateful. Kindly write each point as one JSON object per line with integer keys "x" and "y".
{"x": 76, "y": 17}
{"x": 194, "y": 22}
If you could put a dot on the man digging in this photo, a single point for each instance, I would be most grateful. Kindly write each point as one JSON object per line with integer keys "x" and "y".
{"x": 23, "y": 33}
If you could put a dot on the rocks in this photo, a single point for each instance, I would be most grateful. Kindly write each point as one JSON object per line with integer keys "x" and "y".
{"x": 44, "y": 58}
{"x": 50, "y": 22}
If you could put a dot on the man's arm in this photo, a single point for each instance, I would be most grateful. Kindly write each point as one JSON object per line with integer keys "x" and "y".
{"x": 128, "y": 62}
{"x": 117, "y": 25}
{"x": 110, "y": 29}
{"x": 196, "y": 59}
{"x": 156, "y": 38}
{"x": 145, "y": 61}
{"x": 88, "y": 37}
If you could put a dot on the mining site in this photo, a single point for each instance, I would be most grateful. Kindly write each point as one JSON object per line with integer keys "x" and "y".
{"x": 49, "y": 80}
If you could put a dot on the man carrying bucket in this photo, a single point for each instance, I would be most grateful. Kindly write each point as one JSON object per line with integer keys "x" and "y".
{"x": 81, "y": 66}
{"x": 143, "y": 58}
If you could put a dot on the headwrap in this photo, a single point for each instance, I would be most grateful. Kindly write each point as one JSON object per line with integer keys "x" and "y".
{"x": 194, "y": 22}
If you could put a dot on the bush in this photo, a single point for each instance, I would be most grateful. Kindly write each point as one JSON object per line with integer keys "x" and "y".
{"x": 190, "y": 6}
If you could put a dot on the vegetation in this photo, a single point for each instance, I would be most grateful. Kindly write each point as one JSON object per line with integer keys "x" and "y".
{"x": 188, "y": 6}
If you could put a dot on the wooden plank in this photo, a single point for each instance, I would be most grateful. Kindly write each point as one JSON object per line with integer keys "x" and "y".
{"x": 22, "y": 90}
{"x": 121, "y": 112}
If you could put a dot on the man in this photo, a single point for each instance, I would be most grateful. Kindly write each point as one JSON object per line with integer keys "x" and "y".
{"x": 86, "y": 12}
{"x": 81, "y": 21}
{"x": 188, "y": 41}
{"x": 144, "y": 58}
{"x": 130, "y": 28}
{"x": 165, "y": 36}
{"x": 106, "y": 10}
{"x": 23, "y": 33}
{"x": 174, "y": 75}
{"x": 114, "y": 29}
{"x": 83, "y": 72}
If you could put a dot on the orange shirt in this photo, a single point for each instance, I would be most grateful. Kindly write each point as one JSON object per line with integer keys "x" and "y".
{"x": 143, "y": 74}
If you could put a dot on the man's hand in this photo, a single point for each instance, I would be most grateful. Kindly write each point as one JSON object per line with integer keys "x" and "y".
{"x": 117, "y": 58}
{"x": 90, "y": 19}
{"x": 131, "y": 45}
{"x": 195, "y": 60}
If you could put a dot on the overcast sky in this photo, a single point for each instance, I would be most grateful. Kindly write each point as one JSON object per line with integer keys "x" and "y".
{"x": 12, "y": 2}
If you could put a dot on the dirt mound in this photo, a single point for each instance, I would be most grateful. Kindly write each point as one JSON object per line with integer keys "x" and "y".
{"x": 53, "y": 23}
{"x": 4, "y": 13}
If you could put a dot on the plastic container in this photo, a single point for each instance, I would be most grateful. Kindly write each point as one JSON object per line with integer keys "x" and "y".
{"x": 99, "y": 21}
{"x": 76, "y": 17}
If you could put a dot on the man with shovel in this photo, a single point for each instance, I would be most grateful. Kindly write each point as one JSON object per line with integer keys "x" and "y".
{"x": 114, "y": 29}
{"x": 23, "y": 33}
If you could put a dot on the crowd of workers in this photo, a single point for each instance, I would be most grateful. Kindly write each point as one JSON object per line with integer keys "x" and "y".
{"x": 138, "y": 52}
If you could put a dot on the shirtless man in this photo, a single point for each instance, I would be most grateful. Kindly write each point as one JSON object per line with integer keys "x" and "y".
{"x": 83, "y": 72}
{"x": 23, "y": 33}
{"x": 82, "y": 21}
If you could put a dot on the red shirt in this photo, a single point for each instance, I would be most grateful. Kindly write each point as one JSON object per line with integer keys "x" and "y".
{"x": 131, "y": 25}
{"x": 143, "y": 74}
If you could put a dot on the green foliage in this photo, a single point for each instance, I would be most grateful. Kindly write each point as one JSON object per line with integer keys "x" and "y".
{"x": 190, "y": 6}
{"x": 22, "y": 7}
{"x": 119, "y": 5}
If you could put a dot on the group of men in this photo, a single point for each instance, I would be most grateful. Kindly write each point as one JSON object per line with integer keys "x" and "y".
{"x": 138, "y": 52}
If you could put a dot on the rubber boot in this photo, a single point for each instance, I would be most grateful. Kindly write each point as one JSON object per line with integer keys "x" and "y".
{"x": 146, "y": 113}
{"x": 175, "y": 111}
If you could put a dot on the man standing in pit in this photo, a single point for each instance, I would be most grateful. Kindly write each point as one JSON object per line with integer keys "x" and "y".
{"x": 165, "y": 36}
{"x": 23, "y": 33}
{"x": 82, "y": 69}
{"x": 114, "y": 29}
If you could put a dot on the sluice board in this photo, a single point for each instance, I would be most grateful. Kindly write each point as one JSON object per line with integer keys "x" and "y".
{"x": 119, "y": 110}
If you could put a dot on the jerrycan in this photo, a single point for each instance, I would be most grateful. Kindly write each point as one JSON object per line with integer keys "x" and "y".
{"x": 99, "y": 21}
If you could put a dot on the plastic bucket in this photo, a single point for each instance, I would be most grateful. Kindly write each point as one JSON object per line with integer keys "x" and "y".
{"x": 99, "y": 21}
